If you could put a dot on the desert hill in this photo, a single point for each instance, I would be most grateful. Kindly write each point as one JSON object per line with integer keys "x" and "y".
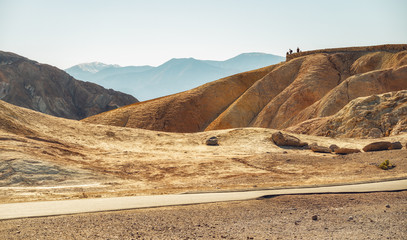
{"x": 45, "y": 158}
{"x": 307, "y": 86}
{"x": 373, "y": 116}
{"x": 173, "y": 76}
{"x": 47, "y": 89}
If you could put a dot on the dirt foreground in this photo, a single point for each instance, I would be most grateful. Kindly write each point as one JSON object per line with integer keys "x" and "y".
{"x": 338, "y": 216}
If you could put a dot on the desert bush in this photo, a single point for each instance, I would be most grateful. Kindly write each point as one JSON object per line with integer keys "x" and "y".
{"x": 386, "y": 165}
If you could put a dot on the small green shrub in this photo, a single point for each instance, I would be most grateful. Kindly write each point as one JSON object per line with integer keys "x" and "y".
{"x": 386, "y": 165}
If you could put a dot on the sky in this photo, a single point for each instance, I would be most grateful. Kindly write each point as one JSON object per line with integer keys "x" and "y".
{"x": 64, "y": 33}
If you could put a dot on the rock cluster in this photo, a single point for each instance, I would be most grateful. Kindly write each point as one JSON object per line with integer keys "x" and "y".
{"x": 283, "y": 139}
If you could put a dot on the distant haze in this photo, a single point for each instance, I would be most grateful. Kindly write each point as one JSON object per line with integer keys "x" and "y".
{"x": 175, "y": 75}
{"x": 149, "y": 32}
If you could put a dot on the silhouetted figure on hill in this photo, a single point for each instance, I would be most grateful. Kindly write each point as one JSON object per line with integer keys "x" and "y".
{"x": 291, "y": 51}
{"x": 298, "y": 49}
{"x": 287, "y": 54}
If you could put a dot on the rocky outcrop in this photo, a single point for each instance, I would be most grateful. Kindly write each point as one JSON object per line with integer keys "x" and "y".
{"x": 333, "y": 147}
{"x": 320, "y": 149}
{"x": 282, "y": 139}
{"x": 380, "y": 146}
{"x": 345, "y": 151}
{"x": 374, "y": 116}
{"x": 49, "y": 90}
{"x": 279, "y": 96}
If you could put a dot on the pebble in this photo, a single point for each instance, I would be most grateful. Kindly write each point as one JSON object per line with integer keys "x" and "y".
{"x": 387, "y": 206}
{"x": 315, "y": 217}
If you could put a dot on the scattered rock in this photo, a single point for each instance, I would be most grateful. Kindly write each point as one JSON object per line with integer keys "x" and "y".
{"x": 315, "y": 217}
{"x": 212, "y": 141}
{"x": 320, "y": 149}
{"x": 297, "y": 222}
{"x": 387, "y": 206}
{"x": 350, "y": 218}
{"x": 377, "y": 146}
{"x": 396, "y": 145}
{"x": 333, "y": 147}
{"x": 344, "y": 151}
{"x": 110, "y": 134}
{"x": 282, "y": 139}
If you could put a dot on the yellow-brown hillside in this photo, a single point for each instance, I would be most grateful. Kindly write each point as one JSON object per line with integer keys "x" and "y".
{"x": 279, "y": 96}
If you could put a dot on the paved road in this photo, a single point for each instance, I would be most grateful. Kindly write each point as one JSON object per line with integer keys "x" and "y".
{"x": 50, "y": 208}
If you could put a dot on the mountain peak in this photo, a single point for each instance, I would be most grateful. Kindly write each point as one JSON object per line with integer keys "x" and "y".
{"x": 94, "y": 67}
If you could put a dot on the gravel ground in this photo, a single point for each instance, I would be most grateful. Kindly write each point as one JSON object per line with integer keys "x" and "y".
{"x": 327, "y": 216}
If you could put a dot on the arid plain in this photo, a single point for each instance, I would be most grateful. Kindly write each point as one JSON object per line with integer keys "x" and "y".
{"x": 48, "y": 158}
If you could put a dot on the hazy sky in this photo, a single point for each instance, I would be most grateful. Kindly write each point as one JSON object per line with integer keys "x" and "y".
{"x": 149, "y": 32}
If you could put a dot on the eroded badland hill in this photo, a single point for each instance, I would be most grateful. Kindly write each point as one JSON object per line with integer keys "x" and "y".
{"x": 47, "y": 89}
{"x": 309, "y": 85}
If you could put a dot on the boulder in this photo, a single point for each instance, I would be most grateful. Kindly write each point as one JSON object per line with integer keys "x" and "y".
{"x": 333, "y": 147}
{"x": 320, "y": 149}
{"x": 396, "y": 145}
{"x": 377, "y": 146}
{"x": 344, "y": 151}
{"x": 212, "y": 141}
{"x": 282, "y": 139}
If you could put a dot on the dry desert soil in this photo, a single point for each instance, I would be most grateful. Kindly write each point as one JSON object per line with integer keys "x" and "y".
{"x": 328, "y": 216}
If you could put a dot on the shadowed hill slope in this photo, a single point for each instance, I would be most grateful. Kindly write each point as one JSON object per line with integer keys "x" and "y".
{"x": 278, "y": 96}
{"x": 47, "y": 89}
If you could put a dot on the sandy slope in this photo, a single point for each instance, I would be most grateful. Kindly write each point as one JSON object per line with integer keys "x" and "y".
{"x": 45, "y": 158}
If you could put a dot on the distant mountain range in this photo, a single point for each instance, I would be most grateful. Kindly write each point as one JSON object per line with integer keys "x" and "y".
{"x": 176, "y": 75}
